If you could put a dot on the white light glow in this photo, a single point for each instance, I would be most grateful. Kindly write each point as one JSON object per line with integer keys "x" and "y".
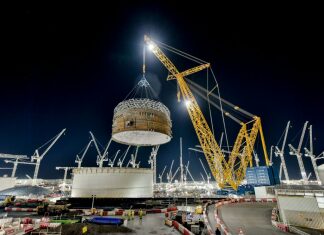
{"x": 151, "y": 46}
{"x": 187, "y": 103}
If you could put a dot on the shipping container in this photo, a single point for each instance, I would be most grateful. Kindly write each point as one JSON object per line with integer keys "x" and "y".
{"x": 261, "y": 175}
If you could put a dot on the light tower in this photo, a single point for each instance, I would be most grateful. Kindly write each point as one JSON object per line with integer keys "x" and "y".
{"x": 39, "y": 157}
{"x": 15, "y": 163}
{"x": 299, "y": 155}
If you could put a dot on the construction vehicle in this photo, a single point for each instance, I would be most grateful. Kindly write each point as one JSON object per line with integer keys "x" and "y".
{"x": 8, "y": 201}
{"x": 226, "y": 172}
{"x": 52, "y": 209}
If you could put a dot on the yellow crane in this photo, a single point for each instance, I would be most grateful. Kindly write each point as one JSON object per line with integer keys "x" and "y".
{"x": 226, "y": 172}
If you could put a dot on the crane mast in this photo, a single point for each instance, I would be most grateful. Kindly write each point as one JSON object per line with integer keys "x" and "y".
{"x": 152, "y": 161}
{"x": 280, "y": 153}
{"x": 224, "y": 172}
{"x": 161, "y": 175}
{"x": 310, "y": 153}
{"x": 112, "y": 162}
{"x": 207, "y": 175}
{"x": 181, "y": 165}
{"x": 65, "y": 168}
{"x": 299, "y": 155}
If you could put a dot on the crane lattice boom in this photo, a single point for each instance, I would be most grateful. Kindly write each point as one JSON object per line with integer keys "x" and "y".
{"x": 225, "y": 172}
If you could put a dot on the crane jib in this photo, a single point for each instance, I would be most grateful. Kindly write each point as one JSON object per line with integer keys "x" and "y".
{"x": 230, "y": 172}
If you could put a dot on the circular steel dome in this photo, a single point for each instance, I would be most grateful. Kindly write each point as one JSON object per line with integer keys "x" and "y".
{"x": 141, "y": 122}
{"x": 26, "y": 190}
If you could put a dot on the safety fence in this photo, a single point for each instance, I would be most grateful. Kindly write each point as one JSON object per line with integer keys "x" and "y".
{"x": 8, "y": 209}
{"x": 274, "y": 221}
{"x": 178, "y": 226}
{"x": 282, "y": 226}
{"x": 219, "y": 221}
{"x": 206, "y": 222}
{"x": 121, "y": 211}
{"x": 297, "y": 231}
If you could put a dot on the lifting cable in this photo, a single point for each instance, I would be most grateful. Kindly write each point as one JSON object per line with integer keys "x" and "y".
{"x": 234, "y": 107}
{"x": 208, "y": 101}
{"x": 83, "y": 149}
{"x": 221, "y": 106}
{"x": 47, "y": 142}
{"x": 214, "y": 104}
{"x": 181, "y": 53}
{"x": 199, "y": 61}
{"x": 300, "y": 130}
{"x": 284, "y": 131}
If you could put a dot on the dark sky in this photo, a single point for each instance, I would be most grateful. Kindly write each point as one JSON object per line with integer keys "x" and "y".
{"x": 69, "y": 66}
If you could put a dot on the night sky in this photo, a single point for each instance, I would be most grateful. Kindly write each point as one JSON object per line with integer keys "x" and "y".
{"x": 69, "y": 66}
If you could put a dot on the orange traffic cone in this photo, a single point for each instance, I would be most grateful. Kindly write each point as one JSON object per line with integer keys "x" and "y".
{"x": 240, "y": 232}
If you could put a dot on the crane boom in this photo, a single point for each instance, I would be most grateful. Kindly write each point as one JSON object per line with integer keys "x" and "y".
{"x": 80, "y": 159}
{"x": 298, "y": 154}
{"x": 280, "y": 152}
{"x": 160, "y": 176}
{"x": 212, "y": 151}
{"x": 310, "y": 153}
{"x": 225, "y": 172}
{"x": 51, "y": 145}
{"x": 39, "y": 157}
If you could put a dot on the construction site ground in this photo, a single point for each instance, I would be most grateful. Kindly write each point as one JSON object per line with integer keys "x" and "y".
{"x": 252, "y": 218}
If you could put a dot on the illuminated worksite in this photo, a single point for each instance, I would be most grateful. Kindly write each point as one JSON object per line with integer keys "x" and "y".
{"x": 236, "y": 169}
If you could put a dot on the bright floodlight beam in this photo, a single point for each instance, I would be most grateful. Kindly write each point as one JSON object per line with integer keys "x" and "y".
{"x": 151, "y": 46}
{"x": 187, "y": 103}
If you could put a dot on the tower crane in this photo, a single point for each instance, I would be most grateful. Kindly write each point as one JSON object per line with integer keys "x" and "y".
{"x": 39, "y": 157}
{"x": 152, "y": 161}
{"x": 299, "y": 155}
{"x": 185, "y": 174}
{"x": 79, "y": 159}
{"x": 256, "y": 158}
{"x": 112, "y": 162}
{"x": 230, "y": 172}
{"x": 207, "y": 175}
{"x": 102, "y": 157}
{"x": 161, "y": 175}
{"x": 310, "y": 153}
{"x": 169, "y": 175}
{"x": 181, "y": 165}
{"x": 271, "y": 154}
{"x": 280, "y": 153}
{"x": 187, "y": 171}
{"x": 120, "y": 162}
{"x": 174, "y": 175}
{"x": 134, "y": 157}
{"x": 15, "y": 163}
{"x": 203, "y": 178}
{"x": 65, "y": 168}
